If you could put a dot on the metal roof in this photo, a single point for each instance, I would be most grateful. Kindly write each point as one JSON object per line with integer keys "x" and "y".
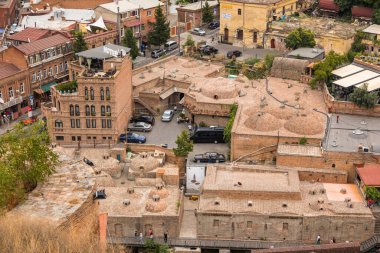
{"x": 375, "y": 29}
{"x": 306, "y": 52}
{"x": 347, "y": 70}
{"x": 42, "y": 44}
{"x": 357, "y": 78}
{"x": 104, "y": 52}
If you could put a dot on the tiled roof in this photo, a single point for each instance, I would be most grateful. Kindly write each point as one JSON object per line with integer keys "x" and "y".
{"x": 362, "y": 12}
{"x": 30, "y": 34}
{"x": 370, "y": 174}
{"x": 7, "y": 69}
{"x": 83, "y": 4}
{"x": 42, "y": 44}
{"x": 328, "y": 5}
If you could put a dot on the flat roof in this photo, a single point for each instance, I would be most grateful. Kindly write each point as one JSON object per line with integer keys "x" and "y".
{"x": 347, "y": 70}
{"x": 123, "y": 6}
{"x": 357, "y": 78}
{"x": 104, "y": 52}
{"x": 375, "y": 29}
{"x": 307, "y": 52}
{"x": 299, "y": 150}
{"x": 370, "y": 174}
{"x": 197, "y": 5}
{"x": 373, "y": 84}
{"x": 342, "y": 138}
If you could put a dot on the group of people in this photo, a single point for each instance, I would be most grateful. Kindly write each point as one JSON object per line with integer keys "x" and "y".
{"x": 319, "y": 240}
{"x": 149, "y": 235}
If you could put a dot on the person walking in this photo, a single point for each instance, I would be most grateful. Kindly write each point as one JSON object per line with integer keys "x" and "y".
{"x": 141, "y": 237}
{"x": 318, "y": 239}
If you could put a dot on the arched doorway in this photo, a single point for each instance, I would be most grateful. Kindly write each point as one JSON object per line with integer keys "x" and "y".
{"x": 272, "y": 43}
{"x": 226, "y": 34}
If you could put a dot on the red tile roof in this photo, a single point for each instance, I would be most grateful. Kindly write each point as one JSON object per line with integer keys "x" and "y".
{"x": 362, "y": 12}
{"x": 30, "y": 34}
{"x": 42, "y": 44}
{"x": 7, "y": 69}
{"x": 131, "y": 23}
{"x": 328, "y": 5}
{"x": 370, "y": 174}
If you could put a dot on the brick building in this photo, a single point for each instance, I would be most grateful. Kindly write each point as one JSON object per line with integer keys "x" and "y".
{"x": 46, "y": 60}
{"x": 8, "y": 12}
{"x": 190, "y": 15}
{"x": 98, "y": 109}
{"x": 29, "y": 35}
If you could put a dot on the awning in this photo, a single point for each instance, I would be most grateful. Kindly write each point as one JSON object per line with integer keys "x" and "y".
{"x": 373, "y": 84}
{"x": 131, "y": 23}
{"x": 39, "y": 91}
{"x": 347, "y": 70}
{"x": 357, "y": 78}
{"x": 46, "y": 87}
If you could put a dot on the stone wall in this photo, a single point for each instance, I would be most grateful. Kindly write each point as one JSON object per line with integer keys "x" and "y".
{"x": 326, "y": 248}
{"x": 210, "y": 120}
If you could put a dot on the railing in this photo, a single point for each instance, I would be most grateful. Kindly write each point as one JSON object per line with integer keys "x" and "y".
{"x": 204, "y": 243}
{"x": 370, "y": 244}
{"x": 10, "y": 103}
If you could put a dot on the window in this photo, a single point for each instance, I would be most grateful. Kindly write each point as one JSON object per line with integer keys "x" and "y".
{"x": 56, "y": 69}
{"x": 249, "y": 224}
{"x": 34, "y": 77}
{"x": 86, "y": 93}
{"x": 45, "y": 73}
{"x": 94, "y": 137}
{"x": 61, "y": 67}
{"x": 77, "y": 122}
{"x": 216, "y": 223}
{"x": 133, "y": 13}
{"x": 109, "y": 123}
{"x": 88, "y": 123}
{"x": 38, "y": 57}
{"x": 108, "y": 95}
{"x": 72, "y": 123}
{"x": 285, "y": 226}
{"x": 42, "y": 55}
{"x": 93, "y": 110}
{"x": 58, "y": 123}
{"x": 93, "y": 123}
{"x": 149, "y": 13}
{"x": 142, "y": 27}
{"x": 87, "y": 110}
{"x": 50, "y": 71}
{"x": 47, "y": 54}
{"x": 65, "y": 65}
{"x": 283, "y": 10}
{"x": 73, "y": 138}
{"x": 22, "y": 88}
{"x": 58, "y": 50}
{"x": 101, "y": 93}
{"x": 79, "y": 138}
{"x": 88, "y": 137}
{"x": 92, "y": 93}
{"x": 104, "y": 123}
{"x": 102, "y": 110}
{"x": 71, "y": 110}
{"x": 31, "y": 59}
{"x": 239, "y": 11}
{"x": 60, "y": 138}
{"x": 254, "y": 37}
{"x": 108, "y": 110}
{"x": 10, "y": 92}
{"x": 77, "y": 112}
{"x": 53, "y": 52}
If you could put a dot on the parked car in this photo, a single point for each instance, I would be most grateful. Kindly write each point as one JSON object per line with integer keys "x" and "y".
{"x": 213, "y": 25}
{"x": 171, "y": 45}
{"x": 235, "y": 53}
{"x": 210, "y": 157}
{"x": 139, "y": 126}
{"x": 143, "y": 118}
{"x": 88, "y": 162}
{"x": 208, "y": 50}
{"x": 101, "y": 194}
{"x": 132, "y": 138}
{"x": 208, "y": 135}
{"x": 198, "y": 31}
{"x": 167, "y": 116}
{"x": 156, "y": 53}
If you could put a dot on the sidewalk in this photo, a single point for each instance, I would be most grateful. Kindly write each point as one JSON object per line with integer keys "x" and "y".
{"x": 4, "y": 128}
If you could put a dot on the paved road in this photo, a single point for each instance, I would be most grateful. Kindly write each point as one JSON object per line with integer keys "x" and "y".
{"x": 4, "y": 128}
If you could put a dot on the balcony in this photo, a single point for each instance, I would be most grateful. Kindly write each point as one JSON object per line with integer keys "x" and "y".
{"x": 10, "y": 103}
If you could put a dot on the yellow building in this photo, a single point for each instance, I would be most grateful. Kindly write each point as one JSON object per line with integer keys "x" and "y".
{"x": 244, "y": 22}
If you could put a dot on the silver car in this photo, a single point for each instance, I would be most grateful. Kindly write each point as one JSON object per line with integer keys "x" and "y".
{"x": 198, "y": 31}
{"x": 139, "y": 126}
{"x": 167, "y": 116}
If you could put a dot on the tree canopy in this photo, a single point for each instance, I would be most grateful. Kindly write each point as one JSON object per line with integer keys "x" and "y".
{"x": 160, "y": 32}
{"x": 130, "y": 41}
{"x": 300, "y": 38}
{"x": 25, "y": 160}
{"x": 184, "y": 144}
{"x": 362, "y": 98}
{"x": 207, "y": 13}
{"x": 230, "y": 123}
{"x": 79, "y": 44}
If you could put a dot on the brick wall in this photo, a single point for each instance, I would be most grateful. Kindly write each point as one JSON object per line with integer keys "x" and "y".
{"x": 326, "y": 248}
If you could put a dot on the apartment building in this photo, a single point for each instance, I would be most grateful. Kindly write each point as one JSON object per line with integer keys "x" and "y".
{"x": 8, "y": 12}
{"x": 95, "y": 106}
{"x": 46, "y": 61}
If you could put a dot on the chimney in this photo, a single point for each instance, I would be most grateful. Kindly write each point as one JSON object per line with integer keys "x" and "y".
{"x": 35, "y": 24}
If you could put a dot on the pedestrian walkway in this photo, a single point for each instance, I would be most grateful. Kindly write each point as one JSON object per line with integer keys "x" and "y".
{"x": 7, "y": 127}
{"x": 189, "y": 221}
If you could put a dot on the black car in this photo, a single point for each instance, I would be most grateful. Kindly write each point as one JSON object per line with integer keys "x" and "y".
{"x": 208, "y": 50}
{"x": 101, "y": 194}
{"x": 143, "y": 118}
{"x": 235, "y": 53}
{"x": 210, "y": 157}
{"x": 213, "y": 25}
{"x": 132, "y": 138}
{"x": 88, "y": 162}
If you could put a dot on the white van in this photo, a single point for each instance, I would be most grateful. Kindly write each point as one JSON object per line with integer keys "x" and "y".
{"x": 171, "y": 45}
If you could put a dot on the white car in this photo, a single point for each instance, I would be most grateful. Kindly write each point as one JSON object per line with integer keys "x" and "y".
{"x": 198, "y": 31}
{"x": 167, "y": 116}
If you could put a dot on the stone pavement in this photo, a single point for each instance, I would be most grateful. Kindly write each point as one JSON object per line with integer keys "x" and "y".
{"x": 5, "y": 127}
{"x": 189, "y": 221}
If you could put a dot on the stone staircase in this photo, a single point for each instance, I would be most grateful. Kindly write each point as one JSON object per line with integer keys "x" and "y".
{"x": 377, "y": 222}
{"x": 145, "y": 107}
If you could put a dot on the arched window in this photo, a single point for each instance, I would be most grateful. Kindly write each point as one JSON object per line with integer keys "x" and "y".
{"x": 101, "y": 93}
{"x": 77, "y": 112}
{"x": 108, "y": 95}
{"x": 93, "y": 110}
{"x": 58, "y": 123}
{"x": 103, "y": 110}
{"x": 92, "y": 93}
{"x": 59, "y": 105}
{"x": 87, "y": 110}
{"x": 86, "y": 93}
{"x": 71, "y": 110}
{"x": 108, "y": 110}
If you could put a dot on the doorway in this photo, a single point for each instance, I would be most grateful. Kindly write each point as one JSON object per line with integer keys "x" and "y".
{"x": 226, "y": 34}
{"x": 272, "y": 43}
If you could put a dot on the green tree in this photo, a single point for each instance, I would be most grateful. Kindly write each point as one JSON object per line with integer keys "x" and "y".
{"x": 160, "y": 32}
{"x": 184, "y": 144}
{"x": 79, "y": 44}
{"x": 357, "y": 45}
{"x": 154, "y": 247}
{"x": 207, "y": 13}
{"x": 230, "y": 123}
{"x": 363, "y": 98}
{"x": 25, "y": 160}
{"x": 372, "y": 193}
{"x": 300, "y": 38}
{"x": 376, "y": 17}
{"x": 189, "y": 41}
{"x": 130, "y": 41}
